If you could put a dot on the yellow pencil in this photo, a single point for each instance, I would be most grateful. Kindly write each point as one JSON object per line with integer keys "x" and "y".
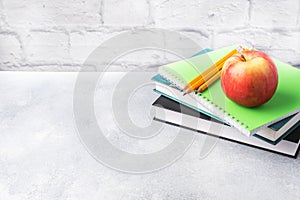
{"x": 207, "y": 74}
{"x": 209, "y": 82}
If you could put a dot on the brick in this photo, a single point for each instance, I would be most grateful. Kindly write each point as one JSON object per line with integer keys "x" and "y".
{"x": 47, "y": 47}
{"x": 200, "y": 14}
{"x": 227, "y": 38}
{"x": 285, "y": 55}
{"x": 148, "y": 49}
{"x": 258, "y": 38}
{"x": 201, "y": 38}
{"x": 50, "y": 13}
{"x": 189, "y": 42}
{"x": 176, "y": 45}
{"x": 126, "y": 12}
{"x": 142, "y": 59}
{"x": 82, "y": 44}
{"x": 282, "y": 45}
{"x": 285, "y": 40}
{"x": 281, "y": 13}
{"x": 2, "y": 22}
{"x": 10, "y": 49}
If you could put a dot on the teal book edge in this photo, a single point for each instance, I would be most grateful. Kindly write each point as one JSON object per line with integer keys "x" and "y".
{"x": 280, "y": 138}
{"x": 276, "y": 126}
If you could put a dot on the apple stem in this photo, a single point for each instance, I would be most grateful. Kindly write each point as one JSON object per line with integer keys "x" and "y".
{"x": 243, "y": 57}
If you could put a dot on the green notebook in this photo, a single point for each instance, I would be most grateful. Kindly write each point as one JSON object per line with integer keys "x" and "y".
{"x": 285, "y": 102}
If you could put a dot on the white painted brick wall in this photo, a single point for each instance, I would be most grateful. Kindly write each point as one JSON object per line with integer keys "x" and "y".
{"x": 47, "y": 47}
{"x": 280, "y": 13}
{"x": 10, "y": 49}
{"x": 83, "y": 43}
{"x": 28, "y": 13}
{"x": 126, "y": 12}
{"x": 203, "y": 14}
{"x": 59, "y": 35}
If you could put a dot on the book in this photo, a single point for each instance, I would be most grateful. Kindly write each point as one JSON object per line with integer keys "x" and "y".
{"x": 271, "y": 134}
{"x": 172, "y": 112}
{"x": 247, "y": 120}
{"x": 274, "y": 133}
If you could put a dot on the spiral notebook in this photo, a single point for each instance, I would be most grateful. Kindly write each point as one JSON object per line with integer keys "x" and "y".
{"x": 284, "y": 103}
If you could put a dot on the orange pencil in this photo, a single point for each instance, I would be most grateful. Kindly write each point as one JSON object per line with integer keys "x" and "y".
{"x": 200, "y": 79}
{"x": 205, "y": 77}
{"x": 209, "y": 82}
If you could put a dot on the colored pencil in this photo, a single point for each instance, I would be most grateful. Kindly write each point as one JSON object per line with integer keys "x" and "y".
{"x": 207, "y": 74}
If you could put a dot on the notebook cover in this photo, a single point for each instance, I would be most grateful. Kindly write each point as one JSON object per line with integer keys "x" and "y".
{"x": 286, "y": 134}
{"x": 285, "y": 102}
{"x": 276, "y": 126}
{"x": 162, "y": 80}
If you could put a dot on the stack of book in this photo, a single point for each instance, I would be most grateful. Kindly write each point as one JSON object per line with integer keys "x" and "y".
{"x": 273, "y": 126}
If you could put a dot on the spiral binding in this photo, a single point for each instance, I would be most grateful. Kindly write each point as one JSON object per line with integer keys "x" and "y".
{"x": 223, "y": 114}
{"x": 179, "y": 83}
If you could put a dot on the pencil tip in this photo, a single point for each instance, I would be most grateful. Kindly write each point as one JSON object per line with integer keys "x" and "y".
{"x": 184, "y": 94}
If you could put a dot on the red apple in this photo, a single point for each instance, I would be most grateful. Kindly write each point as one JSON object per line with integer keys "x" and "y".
{"x": 249, "y": 78}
